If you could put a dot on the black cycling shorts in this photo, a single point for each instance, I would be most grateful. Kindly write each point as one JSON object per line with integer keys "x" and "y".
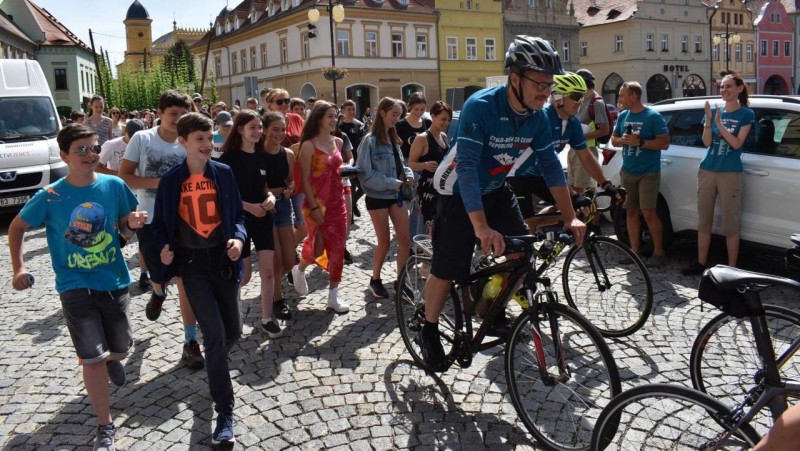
{"x": 259, "y": 232}
{"x": 529, "y": 191}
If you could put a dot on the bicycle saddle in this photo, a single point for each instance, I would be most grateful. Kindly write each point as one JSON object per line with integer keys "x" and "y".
{"x": 727, "y": 278}
{"x": 520, "y": 243}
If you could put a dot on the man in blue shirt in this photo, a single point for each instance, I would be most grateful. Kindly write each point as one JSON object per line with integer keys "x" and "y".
{"x": 496, "y": 126}
{"x": 642, "y": 133}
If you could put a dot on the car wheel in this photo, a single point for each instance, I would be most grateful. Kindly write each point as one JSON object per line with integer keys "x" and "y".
{"x": 620, "y": 221}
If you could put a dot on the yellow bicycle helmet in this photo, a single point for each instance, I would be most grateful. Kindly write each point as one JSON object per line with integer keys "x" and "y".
{"x": 568, "y": 84}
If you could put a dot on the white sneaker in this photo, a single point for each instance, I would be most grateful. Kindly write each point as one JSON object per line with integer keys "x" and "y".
{"x": 336, "y": 304}
{"x": 300, "y": 284}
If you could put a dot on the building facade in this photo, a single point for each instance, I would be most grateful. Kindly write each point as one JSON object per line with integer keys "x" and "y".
{"x": 553, "y": 20}
{"x": 68, "y": 64}
{"x": 14, "y": 44}
{"x": 733, "y": 19}
{"x": 776, "y": 47}
{"x": 387, "y": 47}
{"x": 662, "y": 44}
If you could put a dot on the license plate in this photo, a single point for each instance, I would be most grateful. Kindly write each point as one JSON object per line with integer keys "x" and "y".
{"x": 15, "y": 200}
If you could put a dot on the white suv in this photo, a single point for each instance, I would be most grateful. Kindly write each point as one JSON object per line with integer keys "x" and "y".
{"x": 771, "y": 159}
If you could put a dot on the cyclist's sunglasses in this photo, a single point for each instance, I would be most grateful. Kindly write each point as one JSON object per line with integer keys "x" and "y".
{"x": 82, "y": 151}
{"x": 575, "y": 96}
{"x": 282, "y": 101}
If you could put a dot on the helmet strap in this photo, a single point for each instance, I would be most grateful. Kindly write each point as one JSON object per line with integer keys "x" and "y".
{"x": 520, "y": 96}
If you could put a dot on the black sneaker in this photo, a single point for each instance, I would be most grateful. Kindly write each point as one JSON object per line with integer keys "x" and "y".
{"x": 223, "y": 433}
{"x": 432, "y": 350}
{"x": 144, "y": 282}
{"x": 105, "y": 437}
{"x": 153, "y": 308}
{"x": 192, "y": 355}
{"x": 281, "y": 310}
{"x": 289, "y": 279}
{"x": 271, "y": 328}
{"x": 377, "y": 289}
{"x": 500, "y": 328}
{"x": 695, "y": 269}
{"x": 348, "y": 259}
{"x": 116, "y": 372}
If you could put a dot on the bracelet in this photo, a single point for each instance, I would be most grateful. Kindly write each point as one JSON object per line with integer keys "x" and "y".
{"x": 706, "y": 126}
{"x": 315, "y": 208}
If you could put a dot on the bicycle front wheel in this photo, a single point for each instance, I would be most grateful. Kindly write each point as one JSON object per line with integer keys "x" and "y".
{"x": 410, "y": 308}
{"x": 608, "y": 283}
{"x": 668, "y": 417}
{"x": 725, "y": 364}
{"x": 559, "y": 408}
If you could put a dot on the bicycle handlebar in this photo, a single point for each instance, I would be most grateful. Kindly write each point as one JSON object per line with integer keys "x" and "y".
{"x": 524, "y": 243}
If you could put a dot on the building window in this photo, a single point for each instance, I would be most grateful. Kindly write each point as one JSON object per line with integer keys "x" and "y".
{"x": 371, "y": 43}
{"x": 422, "y": 46}
{"x": 685, "y": 44}
{"x": 397, "y": 45}
{"x": 284, "y": 51}
{"x": 737, "y": 52}
{"x": 715, "y": 52}
{"x": 243, "y": 53}
{"x": 565, "y": 51}
{"x": 218, "y": 64}
{"x": 749, "y": 53}
{"x": 253, "y": 58}
{"x": 649, "y": 42}
{"x": 472, "y": 48}
{"x": 489, "y": 49}
{"x": 787, "y": 49}
{"x": 306, "y": 47}
{"x": 452, "y": 48}
{"x": 532, "y": 4}
{"x": 343, "y": 42}
{"x": 763, "y": 48}
{"x": 775, "y": 45}
{"x": 234, "y": 64}
{"x": 263, "y": 55}
{"x": 618, "y": 43}
{"x": 61, "y": 78}
{"x": 698, "y": 44}
{"x": 665, "y": 43}
{"x": 727, "y": 49}
{"x": 584, "y": 49}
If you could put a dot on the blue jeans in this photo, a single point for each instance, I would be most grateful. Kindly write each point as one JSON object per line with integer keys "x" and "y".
{"x": 210, "y": 281}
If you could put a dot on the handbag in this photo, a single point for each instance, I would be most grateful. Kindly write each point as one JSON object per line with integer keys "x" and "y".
{"x": 406, "y": 190}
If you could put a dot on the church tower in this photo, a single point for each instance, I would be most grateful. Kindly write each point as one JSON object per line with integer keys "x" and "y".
{"x": 138, "y": 31}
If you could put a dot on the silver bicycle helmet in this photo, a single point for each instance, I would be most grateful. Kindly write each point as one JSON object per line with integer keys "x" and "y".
{"x": 533, "y": 53}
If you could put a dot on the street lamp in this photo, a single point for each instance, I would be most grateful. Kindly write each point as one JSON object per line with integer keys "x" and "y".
{"x": 727, "y": 36}
{"x": 335, "y": 14}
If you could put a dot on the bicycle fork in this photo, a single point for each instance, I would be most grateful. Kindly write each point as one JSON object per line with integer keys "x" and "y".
{"x": 595, "y": 264}
{"x": 536, "y": 335}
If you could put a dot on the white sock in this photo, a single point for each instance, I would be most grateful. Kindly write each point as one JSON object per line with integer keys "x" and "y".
{"x": 333, "y": 293}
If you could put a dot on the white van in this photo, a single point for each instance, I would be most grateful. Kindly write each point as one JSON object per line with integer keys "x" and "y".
{"x": 29, "y": 123}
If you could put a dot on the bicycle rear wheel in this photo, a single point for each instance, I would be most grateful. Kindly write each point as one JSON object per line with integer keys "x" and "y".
{"x": 561, "y": 411}
{"x": 667, "y": 417}
{"x": 725, "y": 364}
{"x": 616, "y": 298}
{"x": 410, "y": 308}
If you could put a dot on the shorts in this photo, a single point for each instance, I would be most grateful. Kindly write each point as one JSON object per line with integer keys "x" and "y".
{"x": 152, "y": 256}
{"x": 454, "y": 237}
{"x": 259, "y": 232}
{"x": 297, "y": 209}
{"x": 576, "y": 175}
{"x": 282, "y": 216}
{"x": 374, "y": 203}
{"x": 726, "y": 185}
{"x": 642, "y": 189}
{"x": 529, "y": 190}
{"x": 98, "y": 323}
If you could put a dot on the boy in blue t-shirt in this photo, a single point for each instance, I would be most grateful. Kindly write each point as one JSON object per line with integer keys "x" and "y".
{"x": 642, "y": 133}
{"x": 84, "y": 214}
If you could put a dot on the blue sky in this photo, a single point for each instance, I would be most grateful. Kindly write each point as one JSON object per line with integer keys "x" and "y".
{"x": 105, "y": 18}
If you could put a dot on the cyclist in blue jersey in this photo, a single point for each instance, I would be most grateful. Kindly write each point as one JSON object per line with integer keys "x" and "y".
{"x": 526, "y": 178}
{"x": 496, "y": 126}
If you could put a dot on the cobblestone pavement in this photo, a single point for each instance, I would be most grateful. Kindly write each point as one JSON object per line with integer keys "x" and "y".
{"x": 332, "y": 382}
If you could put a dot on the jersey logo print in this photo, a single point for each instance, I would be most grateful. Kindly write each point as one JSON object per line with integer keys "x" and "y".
{"x": 198, "y": 206}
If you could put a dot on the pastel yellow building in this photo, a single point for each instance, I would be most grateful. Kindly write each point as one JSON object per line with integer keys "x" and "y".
{"x": 470, "y": 46}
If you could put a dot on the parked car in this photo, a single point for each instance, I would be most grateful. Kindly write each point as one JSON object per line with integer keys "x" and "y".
{"x": 771, "y": 162}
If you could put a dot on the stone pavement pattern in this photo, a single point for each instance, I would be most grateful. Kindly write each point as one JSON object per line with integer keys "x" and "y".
{"x": 331, "y": 382}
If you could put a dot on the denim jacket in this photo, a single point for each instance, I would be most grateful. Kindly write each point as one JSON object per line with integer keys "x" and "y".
{"x": 378, "y": 170}
{"x": 165, "y": 213}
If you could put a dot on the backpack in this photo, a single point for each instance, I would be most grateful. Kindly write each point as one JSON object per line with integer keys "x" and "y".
{"x": 610, "y": 114}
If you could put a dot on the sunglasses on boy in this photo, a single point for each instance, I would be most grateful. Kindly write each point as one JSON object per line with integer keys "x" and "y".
{"x": 575, "y": 96}
{"x": 282, "y": 101}
{"x": 82, "y": 151}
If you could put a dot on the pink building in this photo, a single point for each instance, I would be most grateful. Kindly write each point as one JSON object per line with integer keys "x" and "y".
{"x": 775, "y": 49}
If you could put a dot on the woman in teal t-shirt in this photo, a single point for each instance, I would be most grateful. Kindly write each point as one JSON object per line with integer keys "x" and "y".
{"x": 721, "y": 169}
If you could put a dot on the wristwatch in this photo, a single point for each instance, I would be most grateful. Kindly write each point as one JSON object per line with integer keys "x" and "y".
{"x": 641, "y": 142}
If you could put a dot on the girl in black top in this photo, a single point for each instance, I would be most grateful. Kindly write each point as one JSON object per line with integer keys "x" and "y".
{"x": 426, "y": 153}
{"x": 250, "y": 169}
{"x": 280, "y": 180}
{"x": 413, "y": 124}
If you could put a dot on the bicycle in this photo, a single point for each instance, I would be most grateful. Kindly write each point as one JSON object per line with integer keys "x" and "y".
{"x": 559, "y": 370}
{"x": 617, "y": 298}
{"x": 675, "y": 417}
